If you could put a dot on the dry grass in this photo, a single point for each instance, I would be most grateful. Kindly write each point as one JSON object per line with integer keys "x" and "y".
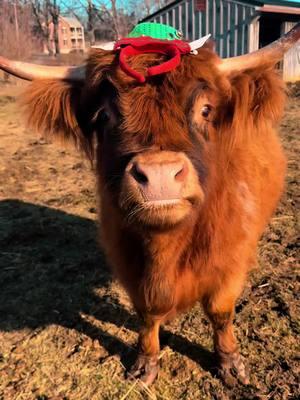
{"x": 67, "y": 330}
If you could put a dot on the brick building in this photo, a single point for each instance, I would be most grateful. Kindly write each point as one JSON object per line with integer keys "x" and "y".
{"x": 70, "y": 35}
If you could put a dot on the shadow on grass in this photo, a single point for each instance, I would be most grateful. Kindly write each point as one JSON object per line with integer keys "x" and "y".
{"x": 50, "y": 267}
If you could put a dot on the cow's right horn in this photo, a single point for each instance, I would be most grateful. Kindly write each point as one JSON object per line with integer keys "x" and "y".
{"x": 31, "y": 72}
{"x": 268, "y": 55}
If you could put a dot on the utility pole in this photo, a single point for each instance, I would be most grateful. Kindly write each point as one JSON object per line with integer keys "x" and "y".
{"x": 17, "y": 26}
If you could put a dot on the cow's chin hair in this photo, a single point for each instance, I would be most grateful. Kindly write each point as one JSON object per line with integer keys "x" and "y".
{"x": 158, "y": 217}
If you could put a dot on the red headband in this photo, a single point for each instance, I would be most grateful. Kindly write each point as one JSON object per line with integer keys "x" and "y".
{"x": 146, "y": 44}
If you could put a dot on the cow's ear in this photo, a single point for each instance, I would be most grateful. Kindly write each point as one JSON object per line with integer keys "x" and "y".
{"x": 259, "y": 94}
{"x": 52, "y": 107}
{"x": 267, "y": 95}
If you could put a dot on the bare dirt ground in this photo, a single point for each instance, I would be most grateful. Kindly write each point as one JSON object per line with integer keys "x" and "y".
{"x": 67, "y": 331}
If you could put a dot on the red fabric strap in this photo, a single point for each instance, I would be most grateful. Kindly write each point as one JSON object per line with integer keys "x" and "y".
{"x": 132, "y": 46}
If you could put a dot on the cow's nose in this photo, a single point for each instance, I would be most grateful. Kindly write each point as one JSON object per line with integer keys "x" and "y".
{"x": 160, "y": 181}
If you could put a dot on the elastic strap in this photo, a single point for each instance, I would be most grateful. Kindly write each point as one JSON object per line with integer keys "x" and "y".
{"x": 169, "y": 50}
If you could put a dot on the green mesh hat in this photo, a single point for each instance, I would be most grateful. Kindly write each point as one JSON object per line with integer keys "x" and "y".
{"x": 156, "y": 31}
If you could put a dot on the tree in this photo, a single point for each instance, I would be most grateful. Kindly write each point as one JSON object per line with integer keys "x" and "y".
{"x": 46, "y": 13}
{"x": 146, "y": 7}
{"x": 121, "y": 19}
{"x": 115, "y": 18}
{"x": 16, "y": 36}
{"x": 54, "y": 12}
{"x": 93, "y": 19}
{"x": 42, "y": 22}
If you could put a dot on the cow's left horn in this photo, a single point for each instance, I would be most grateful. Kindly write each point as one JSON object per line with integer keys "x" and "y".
{"x": 268, "y": 55}
{"x": 30, "y": 72}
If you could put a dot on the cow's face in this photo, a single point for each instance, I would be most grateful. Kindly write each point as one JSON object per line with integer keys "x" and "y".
{"x": 154, "y": 144}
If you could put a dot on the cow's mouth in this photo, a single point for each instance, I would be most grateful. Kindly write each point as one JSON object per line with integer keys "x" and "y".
{"x": 159, "y": 213}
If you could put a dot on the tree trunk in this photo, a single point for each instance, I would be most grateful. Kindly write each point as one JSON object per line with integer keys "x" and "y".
{"x": 91, "y": 35}
{"x": 41, "y": 14}
{"x": 54, "y": 11}
{"x": 115, "y": 18}
{"x": 56, "y": 41}
{"x": 90, "y": 23}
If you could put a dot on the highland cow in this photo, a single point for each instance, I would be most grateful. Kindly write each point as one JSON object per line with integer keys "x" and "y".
{"x": 189, "y": 169}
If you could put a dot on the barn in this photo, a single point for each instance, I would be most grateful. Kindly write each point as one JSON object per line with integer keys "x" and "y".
{"x": 237, "y": 26}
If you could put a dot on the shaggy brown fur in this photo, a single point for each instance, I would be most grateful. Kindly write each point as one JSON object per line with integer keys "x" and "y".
{"x": 234, "y": 153}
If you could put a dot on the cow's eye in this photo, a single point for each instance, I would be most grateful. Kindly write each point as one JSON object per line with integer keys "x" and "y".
{"x": 206, "y": 110}
{"x": 103, "y": 117}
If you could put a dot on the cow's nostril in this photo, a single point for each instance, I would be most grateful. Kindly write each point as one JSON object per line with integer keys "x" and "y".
{"x": 178, "y": 174}
{"x": 138, "y": 174}
{"x": 181, "y": 174}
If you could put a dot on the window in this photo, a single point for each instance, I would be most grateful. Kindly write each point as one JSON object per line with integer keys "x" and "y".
{"x": 79, "y": 41}
{"x": 78, "y": 30}
{"x": 65, "y": 42}
{"x": 73, "y": 41}
{"x": 63, "y": 30}
{"x": 72, "y": 30}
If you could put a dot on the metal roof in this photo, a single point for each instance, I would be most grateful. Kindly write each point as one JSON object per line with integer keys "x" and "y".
{"x": 254, "y": 3}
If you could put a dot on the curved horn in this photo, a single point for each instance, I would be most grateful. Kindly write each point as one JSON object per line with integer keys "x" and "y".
{"x": 32, "y": 71}
{"x": 268, "y": 55}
